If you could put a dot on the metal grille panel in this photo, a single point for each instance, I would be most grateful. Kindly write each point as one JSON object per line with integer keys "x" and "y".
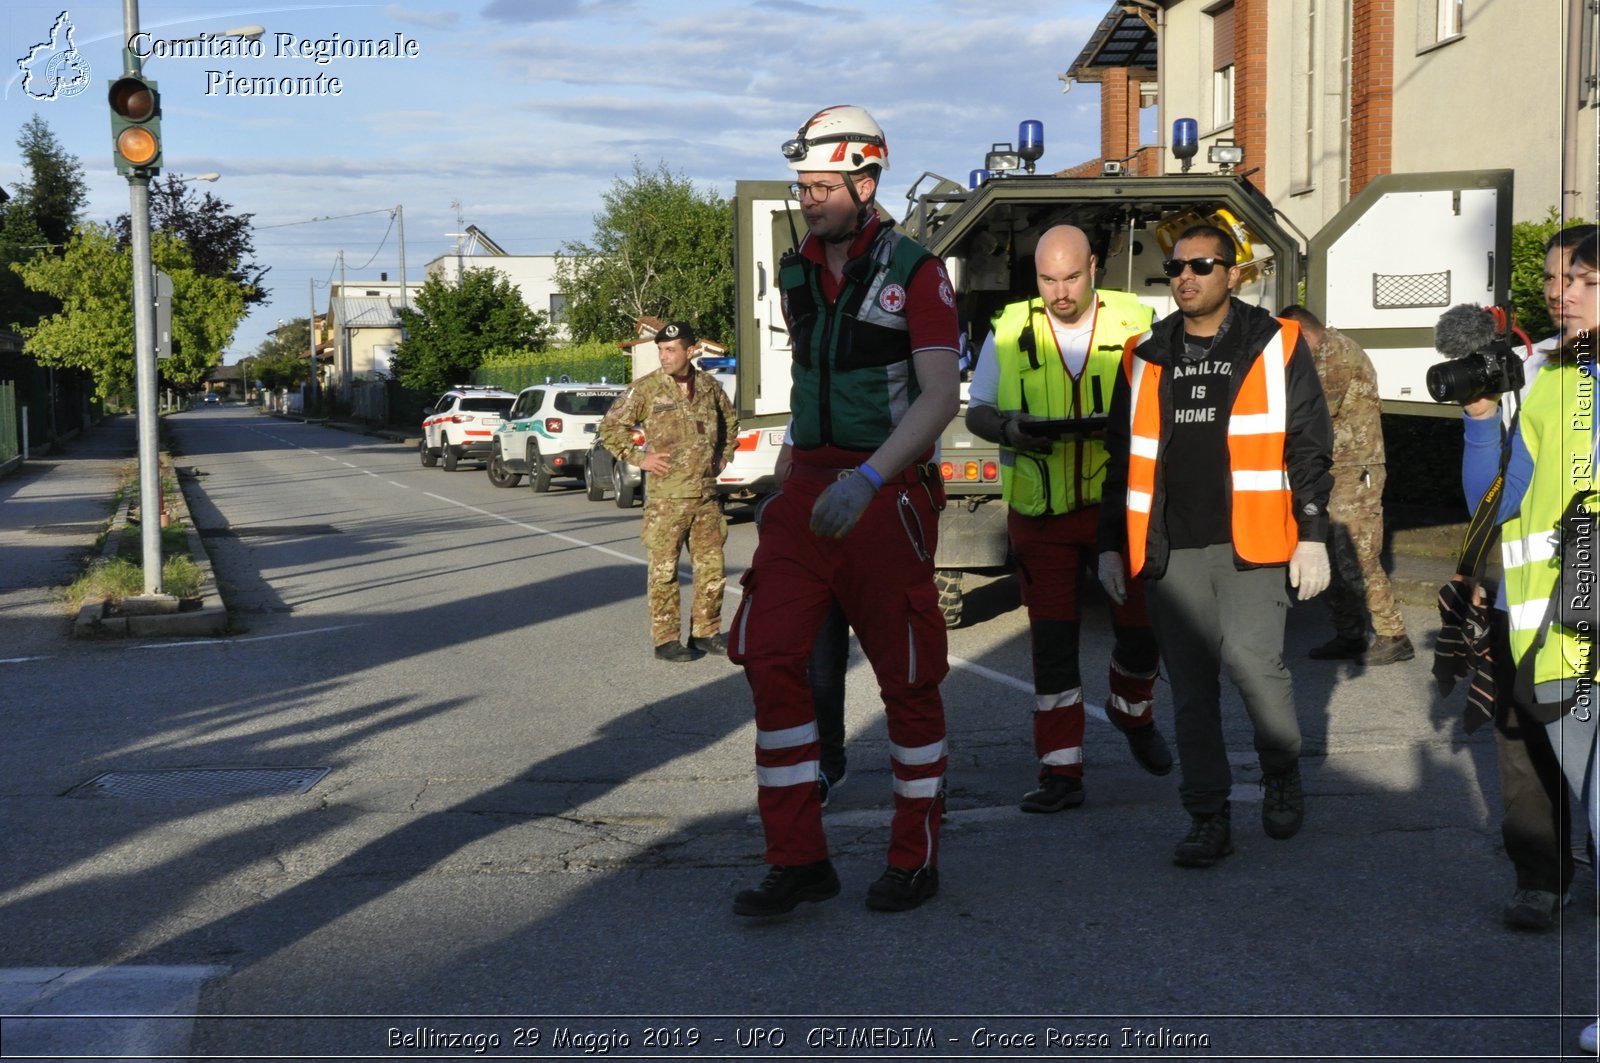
{"x": 199, "y": 782}
{"x": 1401, "y": 291}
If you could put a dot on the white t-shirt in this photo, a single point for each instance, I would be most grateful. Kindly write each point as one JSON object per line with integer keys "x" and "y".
{"x": 1071, "y": 340}
{"x": 1530, "y": 369}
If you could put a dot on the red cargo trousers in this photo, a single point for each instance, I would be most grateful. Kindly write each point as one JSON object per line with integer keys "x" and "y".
{"x": 881, "y": 573}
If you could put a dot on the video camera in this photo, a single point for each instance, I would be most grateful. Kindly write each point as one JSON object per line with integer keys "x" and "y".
{"x": 1476, "y": 341}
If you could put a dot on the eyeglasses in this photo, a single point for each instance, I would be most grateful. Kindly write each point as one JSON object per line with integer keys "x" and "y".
{"x": 817, "y": 192}
{"x": 1202, "y": 267}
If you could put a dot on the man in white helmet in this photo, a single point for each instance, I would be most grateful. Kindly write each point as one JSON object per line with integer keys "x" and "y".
{"x": 876, "y": 341}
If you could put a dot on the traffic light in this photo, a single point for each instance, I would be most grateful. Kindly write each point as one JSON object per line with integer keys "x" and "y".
{"x": 135, "y": 125}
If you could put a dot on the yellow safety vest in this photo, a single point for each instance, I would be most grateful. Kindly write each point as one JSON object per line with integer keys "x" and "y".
{"x": 1034, "y": 379}
{"x": 1557, "y": 427}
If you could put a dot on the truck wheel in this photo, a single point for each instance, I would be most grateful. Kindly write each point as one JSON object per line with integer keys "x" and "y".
{"x": 590, "y": 486}
{"x": 450, "y": 455}
{"x": 948, "y": 582}
{"x": 429, "y": 458}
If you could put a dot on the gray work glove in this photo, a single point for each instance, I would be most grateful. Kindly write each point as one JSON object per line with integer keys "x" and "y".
{"x": 1309, "y": 570}
{"x": 1112, "y": 577}
{"x": 1014, "y": 433}
{"x": 841, "y": 505}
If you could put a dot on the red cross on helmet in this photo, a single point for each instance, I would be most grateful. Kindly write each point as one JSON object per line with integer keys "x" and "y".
{"x": 841, "y": 139}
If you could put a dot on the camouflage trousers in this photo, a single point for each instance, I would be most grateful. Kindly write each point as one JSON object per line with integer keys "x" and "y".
{"x": 670, "y": 523}
{"x": 1359, "y": 585}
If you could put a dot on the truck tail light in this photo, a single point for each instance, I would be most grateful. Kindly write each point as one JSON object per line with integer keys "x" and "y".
{"x": 947, "y": 470}
{"x": 991, "y": 470}
{"x": 748, "y": 440}
{"x": 552, "y": 425}
{"x": 638, "y": 437}
{"x": 460, "y": 418}
{"x": 970, "y": 471}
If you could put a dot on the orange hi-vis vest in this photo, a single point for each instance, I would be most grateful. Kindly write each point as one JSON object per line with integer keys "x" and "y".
{"x": 1264, "y": 528}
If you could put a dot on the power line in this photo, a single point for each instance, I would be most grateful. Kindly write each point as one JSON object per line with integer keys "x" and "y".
{"x": 330, "y": 217}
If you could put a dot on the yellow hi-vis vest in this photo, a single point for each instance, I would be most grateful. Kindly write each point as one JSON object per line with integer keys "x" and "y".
{"x": 1557, "y": 426}
{"x": 1034, "y": 379}
{"x": 1260, "y": 499}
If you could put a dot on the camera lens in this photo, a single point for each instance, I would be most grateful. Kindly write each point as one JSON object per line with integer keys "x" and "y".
{"x": 1459, "y": 380}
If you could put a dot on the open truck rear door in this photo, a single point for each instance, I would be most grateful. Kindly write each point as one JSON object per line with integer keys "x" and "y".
{"x": 1399, "y": 254}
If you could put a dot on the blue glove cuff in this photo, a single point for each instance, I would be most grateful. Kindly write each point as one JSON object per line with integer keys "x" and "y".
{"x": 871, "y": 474}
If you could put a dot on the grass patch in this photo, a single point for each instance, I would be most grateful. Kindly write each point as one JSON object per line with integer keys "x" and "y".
{"x": 115, "y": 578}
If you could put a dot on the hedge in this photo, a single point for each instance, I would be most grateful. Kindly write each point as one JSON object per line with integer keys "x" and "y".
{"x": 582, "y": 362}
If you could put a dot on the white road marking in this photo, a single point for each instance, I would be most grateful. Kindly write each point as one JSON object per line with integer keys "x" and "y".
{"x": 22, "y": 660}
{"x": 236, "y": 642}
{"x": 538, "y": 530}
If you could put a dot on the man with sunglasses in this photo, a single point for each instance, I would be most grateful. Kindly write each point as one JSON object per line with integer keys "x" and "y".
{"x": 1052, "y": 357}
{"x": 1220, "y": 451}
{"x": 873, "y": 326}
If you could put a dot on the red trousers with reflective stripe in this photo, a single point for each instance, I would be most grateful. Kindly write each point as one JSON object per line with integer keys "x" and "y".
{"x": 881, "y": 574}
{"x": 1052, "y": 552}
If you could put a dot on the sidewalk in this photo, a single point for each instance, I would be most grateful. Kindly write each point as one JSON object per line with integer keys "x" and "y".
{"x": 51, "y": 510}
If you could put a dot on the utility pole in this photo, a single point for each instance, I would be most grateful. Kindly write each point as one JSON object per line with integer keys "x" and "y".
{"x": 311, "y": 330}
{"x": 400, "y": 213}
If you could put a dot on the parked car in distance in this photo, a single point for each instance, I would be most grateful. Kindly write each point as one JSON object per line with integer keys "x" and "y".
{"x": 602, "y": 473}
{"x": 548, "y": 433}
{"x": 752, "y": 472}
{"x": 461, "y": 425}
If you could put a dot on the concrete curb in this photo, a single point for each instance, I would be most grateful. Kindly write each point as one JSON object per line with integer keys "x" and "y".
{"x": 92, "y": 620}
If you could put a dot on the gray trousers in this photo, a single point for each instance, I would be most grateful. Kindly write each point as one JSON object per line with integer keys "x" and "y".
{"x": 1206, "y": 614}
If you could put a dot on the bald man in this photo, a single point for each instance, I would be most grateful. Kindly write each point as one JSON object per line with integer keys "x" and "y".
{"x": 1052, "y": 357}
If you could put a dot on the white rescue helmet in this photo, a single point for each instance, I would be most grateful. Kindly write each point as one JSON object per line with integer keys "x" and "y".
{"x": 841, "y": 139}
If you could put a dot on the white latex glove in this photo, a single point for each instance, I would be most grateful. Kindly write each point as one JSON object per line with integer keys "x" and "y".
{"x": 1308, "y": 569}
{"x": 1112, "y": 577}
{"x": 841, "y": 505}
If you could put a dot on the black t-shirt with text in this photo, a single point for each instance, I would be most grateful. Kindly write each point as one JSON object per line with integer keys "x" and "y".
{"x": 1197, "y": 454}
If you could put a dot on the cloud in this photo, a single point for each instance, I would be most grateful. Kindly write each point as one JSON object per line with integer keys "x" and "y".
{"x": 549, "y": 10}
{"x": 432, "y": 19}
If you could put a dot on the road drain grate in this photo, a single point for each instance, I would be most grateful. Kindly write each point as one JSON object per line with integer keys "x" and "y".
{"x": 87, "y": 527}
{"x": 200, "y": 782}
{"x": 270, "y": 531}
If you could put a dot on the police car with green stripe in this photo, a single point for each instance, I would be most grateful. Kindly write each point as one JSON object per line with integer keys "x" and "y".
{"x": 548, "y": 433}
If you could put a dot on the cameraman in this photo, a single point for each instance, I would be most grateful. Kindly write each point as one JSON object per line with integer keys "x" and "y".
{"x": 1551, "y": 457}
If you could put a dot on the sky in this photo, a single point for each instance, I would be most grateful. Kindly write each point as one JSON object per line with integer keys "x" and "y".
{"x": 525, "y": 112}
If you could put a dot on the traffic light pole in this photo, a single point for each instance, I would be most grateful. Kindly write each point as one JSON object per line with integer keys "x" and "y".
{"x": 144, "y": 353}
{"x": 144, "y": 360}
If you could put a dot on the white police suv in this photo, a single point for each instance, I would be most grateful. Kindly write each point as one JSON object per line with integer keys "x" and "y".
{"x": 548, "y": 433}
{"x": 461, "y": 425}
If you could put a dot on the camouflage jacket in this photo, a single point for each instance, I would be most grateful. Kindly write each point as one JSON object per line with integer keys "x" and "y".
{"x": 1351, "y": 386}
{"x": 698, "y": 433}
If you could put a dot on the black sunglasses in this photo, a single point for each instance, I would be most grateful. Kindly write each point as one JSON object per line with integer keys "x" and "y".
{"x": 1173, "y": 267}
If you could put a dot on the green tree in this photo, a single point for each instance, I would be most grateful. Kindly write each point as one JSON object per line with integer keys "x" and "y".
{"x": 280, "y": 360}
{"x": 454, "y": 326}
{"x": 661, "y": 248}
{"x": 40, "y": 215}
{"x": 1527, "y": 270}
{"x": 220, "y": 242}
{"x": 93, "y": 278}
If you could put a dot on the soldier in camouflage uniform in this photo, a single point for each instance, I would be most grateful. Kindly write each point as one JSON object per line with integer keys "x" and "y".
{"x": 689, "y": 430}
{"x": 1355, "y": 508}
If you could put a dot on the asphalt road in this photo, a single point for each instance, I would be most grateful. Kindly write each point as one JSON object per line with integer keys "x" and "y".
{"x": 529, "y": 831}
